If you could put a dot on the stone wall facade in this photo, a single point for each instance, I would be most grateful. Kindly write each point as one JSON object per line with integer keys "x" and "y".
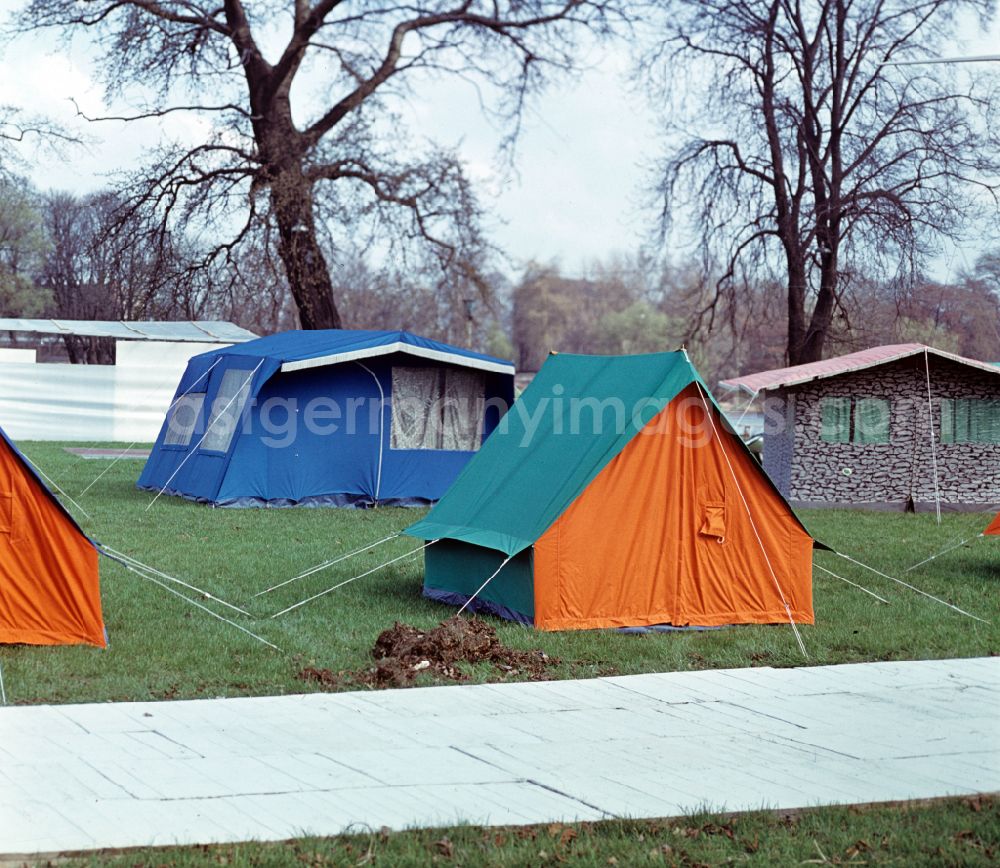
{"x": 898, "y": 475}
{"x": 779, "y": 439}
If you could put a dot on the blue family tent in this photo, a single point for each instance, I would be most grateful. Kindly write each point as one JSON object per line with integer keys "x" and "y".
{"x": 327, "y": 418}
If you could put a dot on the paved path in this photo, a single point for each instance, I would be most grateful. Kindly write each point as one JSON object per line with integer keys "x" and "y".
{"x": 87, "y": 776}
{"x": 108, "y": 454}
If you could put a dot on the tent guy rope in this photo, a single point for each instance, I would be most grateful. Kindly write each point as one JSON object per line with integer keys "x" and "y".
{"x": 198, "y": 605}
{"x": 735, "y": 425}
{"x": 327, "y": 564}
{"x": 409, "y": 554}
{"x": 911, "y": 587}
{"x": 127, "y": 560}
{"x": 55, "y": 485}
{"x": 945, "y": 551}
{"x": 753, "y": 524}
{"x": 930, "y": 432}
{"x": 854, "y": 584}
{"x": 483, "y": 585}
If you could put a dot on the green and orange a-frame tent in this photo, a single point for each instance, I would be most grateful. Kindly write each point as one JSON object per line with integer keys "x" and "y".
{"x": 49, "y": 588}
{"x": 613, "y": 494}
{"x": 994, "y": 528}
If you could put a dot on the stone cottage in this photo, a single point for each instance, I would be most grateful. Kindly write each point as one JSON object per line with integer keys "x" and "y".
{"x": 900, "y": 427}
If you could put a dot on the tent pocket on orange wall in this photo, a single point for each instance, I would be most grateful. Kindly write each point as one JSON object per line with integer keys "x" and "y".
{"x": 714, "y": 522}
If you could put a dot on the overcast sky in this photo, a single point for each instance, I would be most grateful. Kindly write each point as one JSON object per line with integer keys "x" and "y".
{"x": 577, "y": 193}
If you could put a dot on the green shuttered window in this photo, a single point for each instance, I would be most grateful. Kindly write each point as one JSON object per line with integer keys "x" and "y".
{"x": 837, "y": 420}
{"x": 871, "y": 420}
{"x": 855, "y": 420}
{"x": 970, "y": 420}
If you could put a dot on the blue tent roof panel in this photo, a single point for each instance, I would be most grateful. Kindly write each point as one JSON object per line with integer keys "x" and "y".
{"x": 299, "y": 350}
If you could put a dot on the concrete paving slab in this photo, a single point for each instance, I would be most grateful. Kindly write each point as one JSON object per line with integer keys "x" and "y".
{"x": 132, "y": 774}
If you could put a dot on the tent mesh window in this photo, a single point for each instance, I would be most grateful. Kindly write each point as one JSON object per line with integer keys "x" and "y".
{"x": 437, "y": 408}
{"x": 227, "y": 409}
{"x": 970, "y": 420}
{"x": 183, "y": 419}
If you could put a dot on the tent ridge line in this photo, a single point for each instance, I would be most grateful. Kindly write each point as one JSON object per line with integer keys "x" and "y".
{"x": 398, "y": 347}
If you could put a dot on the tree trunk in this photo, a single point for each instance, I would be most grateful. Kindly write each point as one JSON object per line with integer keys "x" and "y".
{"x": 815, "y": 340}
{"x": 796, "y": 306}
{"x": 72, "y": 344}
{"x": 822, "y": 317}
{"x": 807, "y": 335}
{"x": 305, "y": 265}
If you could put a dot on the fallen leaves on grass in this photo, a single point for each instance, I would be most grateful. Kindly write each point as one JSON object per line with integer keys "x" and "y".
{"x": 445, "y": 848}
{"x": 724, "y": 829}
{"x": 977, "y": 803}
{"x": 857, "y": 848}
{"x": 402, "y": 652}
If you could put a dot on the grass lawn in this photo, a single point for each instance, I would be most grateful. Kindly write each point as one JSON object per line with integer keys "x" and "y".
{"x": 946, "y": 832}
{"x": 162, "y": 648}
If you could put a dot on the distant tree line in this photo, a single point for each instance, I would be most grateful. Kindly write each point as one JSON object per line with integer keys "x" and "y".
{"x": 630, "y": 305}
{"x": 635, "y": 304}
{"x": 65, "y": 256}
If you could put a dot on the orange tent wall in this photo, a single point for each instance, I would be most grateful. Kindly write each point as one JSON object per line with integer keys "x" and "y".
{"x": 662, "y": 535}
{"x": 49, "y": 588}
{"x": 994, "y": 528}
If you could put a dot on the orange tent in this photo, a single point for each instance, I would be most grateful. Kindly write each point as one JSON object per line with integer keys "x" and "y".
{"x": 615, "y": 495}
{"x": 994, "y": 528}
{"x": 49, "y": 588}
{"x": 698, "y": 550}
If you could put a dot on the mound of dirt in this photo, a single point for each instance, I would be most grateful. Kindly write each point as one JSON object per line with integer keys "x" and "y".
{"x": 402, "y": 652}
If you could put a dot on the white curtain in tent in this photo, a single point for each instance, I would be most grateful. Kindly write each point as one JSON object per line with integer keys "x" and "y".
{"x": 437, "y": 408}
{"x": 416, "y": 418}
{"x": 462, "y": 410}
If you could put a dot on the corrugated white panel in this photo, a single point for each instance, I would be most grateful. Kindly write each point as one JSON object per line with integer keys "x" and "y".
{"x": 212, "y": 331}
{"x": 86, "y": 402}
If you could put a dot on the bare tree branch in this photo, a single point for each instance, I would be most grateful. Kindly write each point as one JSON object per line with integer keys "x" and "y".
{"x": 187, "y": 49}
{"x": 821, "y": 160}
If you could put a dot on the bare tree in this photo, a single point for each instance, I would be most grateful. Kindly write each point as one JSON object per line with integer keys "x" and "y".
{"x": 817, "y": 158}
{"x": 22, "y": 247}
{"x": 74, "y": 275}
{"x": 341, "y": 155}
{"x": 17, "y": 126}
{"x": 21, "y": 130}
{"x": 91, "y": 273}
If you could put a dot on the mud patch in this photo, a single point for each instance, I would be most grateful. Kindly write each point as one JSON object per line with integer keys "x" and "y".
{"x": 403, "y": 652}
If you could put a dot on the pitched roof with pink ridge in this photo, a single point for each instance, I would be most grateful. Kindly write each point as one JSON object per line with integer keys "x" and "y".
{"x": 870, "y": 358}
